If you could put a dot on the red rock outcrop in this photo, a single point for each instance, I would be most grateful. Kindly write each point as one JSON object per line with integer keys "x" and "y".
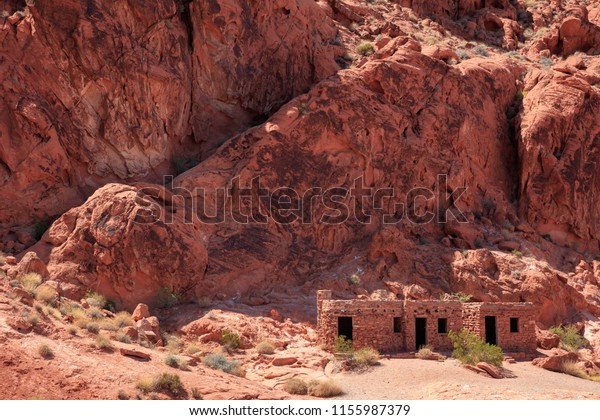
{"x": 559, "y": 131}
{"x": 98, "y": 92}
{"x": 112, "y": 244}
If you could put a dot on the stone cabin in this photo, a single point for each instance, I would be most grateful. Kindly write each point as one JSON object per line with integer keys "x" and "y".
{"x": 394, "y": 326}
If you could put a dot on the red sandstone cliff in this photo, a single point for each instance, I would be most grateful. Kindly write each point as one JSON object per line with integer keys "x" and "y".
{"x": 99, "y": 94}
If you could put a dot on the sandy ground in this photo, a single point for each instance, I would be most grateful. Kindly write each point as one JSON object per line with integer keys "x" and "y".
{"x": 425, "y": 379}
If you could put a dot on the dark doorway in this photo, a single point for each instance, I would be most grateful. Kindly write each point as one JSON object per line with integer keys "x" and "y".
{"x": 490, "y": 330}
{"x": 345, "y": 327}
{"x": 421, "y": 332}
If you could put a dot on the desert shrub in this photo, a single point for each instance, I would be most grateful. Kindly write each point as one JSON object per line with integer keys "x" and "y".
{"x": 204, "y": 302}
{"x": 220, "y": 362}
{"x": 481, "y": 50}
{"x": 103, "y": 342}
{"x": 95, "y": 299}
{"x": 264, "y": 347}
{"x": 45, "y": 351}
{"x": 342, "y": 345}
{"x": 32, "y": 319}
{"x": 470, "y": 349}
{"x": 164, "y": 382}
{"x": 516, "y": 253}
{"x": 173, "y": 343}
{"x": 72, "y": 330}
{"x": 123, "y": 319}
{"x": 73, "y": 311}
{"x": 30, "y": 282}
{"x": 365, "y": 48}
{"x": 325, "y": 389}
{"x": 365, "y": 356}
{"x": 354, "y": 279}
{"x": 46, "y": 294}
{"x": 82, "y": 323}
{"x": 570, "y": 339}
{"x": 108, "y": 325}
{"x": 94, "y": 313}
{"x": 172, "y": 361}
{"x": 192, "y": 349}
{"x": 196, "y": 394}
{"x": 463, "y": 54}
{"x": 123, "y": 338}
{"x": 166, "y": 299}
{"x": 183, "y": 365}
{"x": 571, "y": 368}
{"x": 295, "y": 386}
{"x": 50, "y": 311}
{"x": 122, "y": 395}
{"x": 546, "y": 62}
{"x": 93, "y": 328}
{"x": 230, "y": 340}
{"x": 144, "y": 385}
{"x": 427, "y": 353}
{"x": 2, "y": 258}
{"x": 167, "y": 382}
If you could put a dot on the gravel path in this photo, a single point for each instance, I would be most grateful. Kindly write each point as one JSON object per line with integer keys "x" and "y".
{"x": 423, "y": 379}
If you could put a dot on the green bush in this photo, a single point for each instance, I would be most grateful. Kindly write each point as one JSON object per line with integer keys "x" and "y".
{"x": 342, "y": 345}
{"x": 570, "y": 339}
{"x": 172, "y": 361}
{"x": 93, "y": 328}
{"x": 220, "y": 362}
{"x": 166, "y": 299}
{"x": 365, "y": 48}
{"x": 230, "y": 340}
{"x": 481, "y": 50}
{"x": 470, "y": 349}
{"x": 167, "y": 382}
{"x": 95, "y": 299}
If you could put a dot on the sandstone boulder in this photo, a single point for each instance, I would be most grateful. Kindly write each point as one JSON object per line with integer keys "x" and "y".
{"x": 284, "y": 361}
{"x": 547, "y": 340}
{"x": 141, "y": 311}
{"x": 493, "y": 371}
{"x": 29, "y": 263}
{"x": 556, "y": 361}
{"x": 123, "y": 244}
{"x": 132, "y": 351}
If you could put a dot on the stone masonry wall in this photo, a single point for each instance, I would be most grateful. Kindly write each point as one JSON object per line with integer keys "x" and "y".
{"x": 432, "y": 310}
{"x": 521, "y": 341}
{"x": 373, "y": 322}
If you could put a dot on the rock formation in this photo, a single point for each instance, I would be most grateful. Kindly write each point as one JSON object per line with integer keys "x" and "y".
{"x": 101, "y": 98}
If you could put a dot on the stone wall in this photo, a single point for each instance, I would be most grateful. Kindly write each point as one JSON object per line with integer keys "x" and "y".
{"x": 372, "y": 323}
{"x": 390, "y": 326}
{"x": 432, "y": 310}
{"x": 521, "y": 341}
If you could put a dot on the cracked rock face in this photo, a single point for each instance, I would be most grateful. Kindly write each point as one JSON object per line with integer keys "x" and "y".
{"x": 96, "y": 92}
